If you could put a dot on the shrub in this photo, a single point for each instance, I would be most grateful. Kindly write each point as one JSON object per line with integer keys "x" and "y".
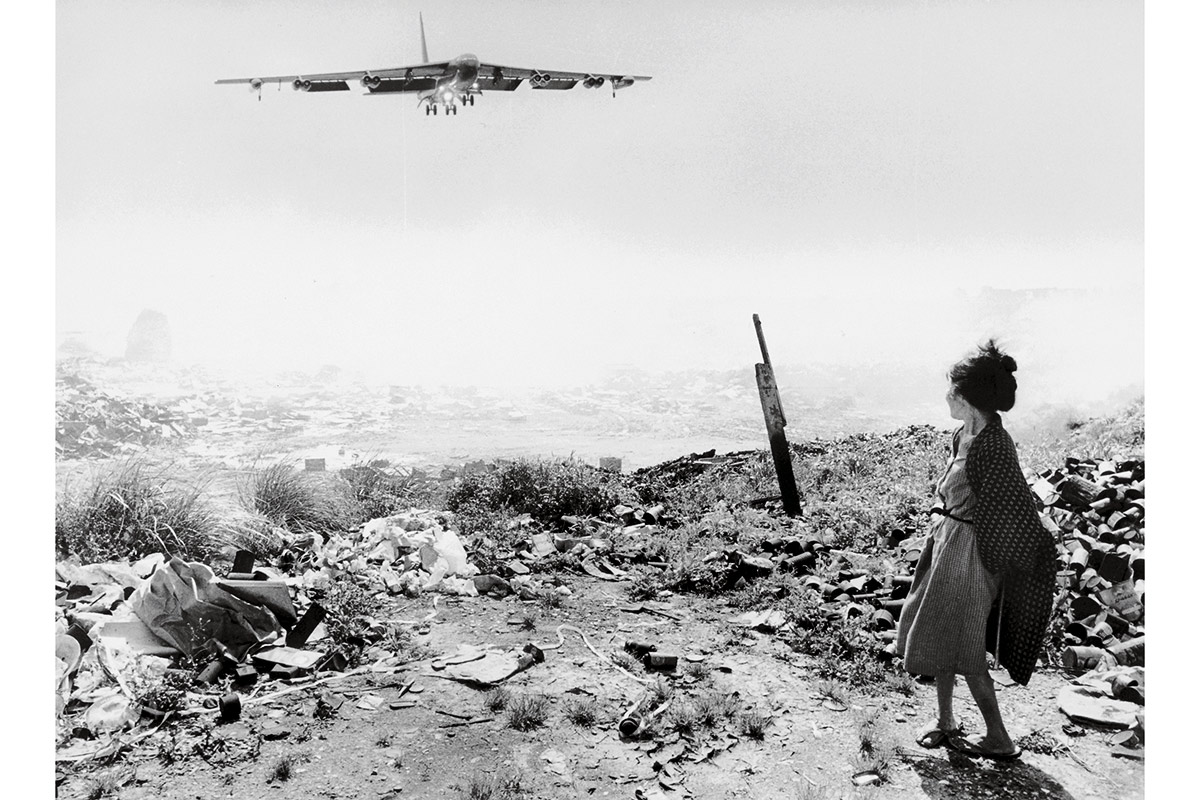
{"x": 546, "y": 490}
{"x": 379, "y": 490}
{"x": 131, "y": 512}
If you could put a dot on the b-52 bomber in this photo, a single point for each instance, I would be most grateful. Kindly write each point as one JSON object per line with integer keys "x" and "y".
{"x": 443, "y": 84}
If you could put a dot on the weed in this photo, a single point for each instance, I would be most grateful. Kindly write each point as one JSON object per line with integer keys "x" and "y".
{"x": 828, "y": 690}
{"x": 497, "y": 699}
{"x": 549, "y": 599}
{"x": 546, "y": 490}
{"x": 282, "y": 769}
{"x": 166, "y": 694}
{"x": 660, "y": 692}
{"x": 753, "y": 723}
{"x": 529, "y": 620}
{"x": 697, "y": 670}
{"x": 294, "y": 500}
{"x": 583, "y": 713}
{"x": 383, "y": 740}
{"x": 899, "y": 683}
{"x": 349, "y": 609}
{"x": 505, "y": 786}
{"x": 714, "y": 706}
{"x": 625, "y": 661}
{"x": 102, "y": 786}
{"x": 874, "y": 754}
{"x": 528, "y": 711}
{"x": 380, "y": 490}
{"x": 683, "y": 717}
{"x": 133, "y": 511}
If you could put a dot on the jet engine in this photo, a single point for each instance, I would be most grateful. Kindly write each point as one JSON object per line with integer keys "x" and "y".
{"x": 593, "y": 81}
{"x": 538, "y": 80}
{"x": 370, "y": 81}
{"x": 304, "y": 85}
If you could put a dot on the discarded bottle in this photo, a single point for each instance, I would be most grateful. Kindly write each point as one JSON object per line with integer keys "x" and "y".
{"x": 640, "y": 649}
{"x": 630, "y": 723}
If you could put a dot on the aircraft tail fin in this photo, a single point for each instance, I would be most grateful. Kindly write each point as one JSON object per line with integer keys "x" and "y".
{"x": 424, "y": 48}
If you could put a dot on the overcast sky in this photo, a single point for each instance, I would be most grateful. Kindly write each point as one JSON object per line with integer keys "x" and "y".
{"x": 856, "y": 173}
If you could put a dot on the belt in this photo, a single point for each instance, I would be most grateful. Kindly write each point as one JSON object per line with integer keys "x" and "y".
{"x": 946, "y": 513}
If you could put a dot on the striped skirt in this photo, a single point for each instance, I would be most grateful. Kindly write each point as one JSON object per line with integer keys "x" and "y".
{"x": 943, "y": 625}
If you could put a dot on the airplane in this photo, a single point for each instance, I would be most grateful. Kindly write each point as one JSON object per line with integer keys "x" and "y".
{"x": 443, "y": 84}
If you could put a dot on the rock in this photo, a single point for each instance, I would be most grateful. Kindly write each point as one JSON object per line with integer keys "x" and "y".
{"x": 149, "y": 339}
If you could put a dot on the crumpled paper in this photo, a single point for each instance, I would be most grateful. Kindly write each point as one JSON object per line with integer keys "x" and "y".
{"x": 181, "y": 604}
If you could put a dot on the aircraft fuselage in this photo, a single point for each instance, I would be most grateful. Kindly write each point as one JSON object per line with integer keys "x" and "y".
{"x": 457, "y": 83}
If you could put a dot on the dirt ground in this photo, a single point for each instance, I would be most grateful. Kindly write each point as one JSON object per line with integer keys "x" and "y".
{"x": 810, "y": 748}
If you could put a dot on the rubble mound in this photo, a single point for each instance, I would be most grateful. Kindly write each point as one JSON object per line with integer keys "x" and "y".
{"x": 90, "y": 423}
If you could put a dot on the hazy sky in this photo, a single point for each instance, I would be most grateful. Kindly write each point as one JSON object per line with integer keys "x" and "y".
{"x": 856, "y": 173}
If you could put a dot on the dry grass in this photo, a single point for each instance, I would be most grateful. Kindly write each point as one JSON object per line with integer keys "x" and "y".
{"x": 131, "y": 511}
{"x": 528, "y": 711}
{"x": 583, "y": 713}
{"x": 497, "y": 699}
{"x": 296, "y": 501}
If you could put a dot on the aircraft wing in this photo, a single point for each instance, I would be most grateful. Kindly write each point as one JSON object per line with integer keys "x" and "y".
{"x": 501, "y": 78}
{"x": 410, "y": 79}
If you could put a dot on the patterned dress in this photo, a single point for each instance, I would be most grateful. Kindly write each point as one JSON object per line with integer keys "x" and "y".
{"x": 944, "y": 626}
{"x": 944, "y": 622}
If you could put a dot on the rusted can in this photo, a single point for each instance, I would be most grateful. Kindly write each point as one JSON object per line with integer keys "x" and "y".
{"x": 630, "y": 723}
{"x": 230, "y": 706}
{"x": 656, "y": 660}
{"x": 1082, "y": 658}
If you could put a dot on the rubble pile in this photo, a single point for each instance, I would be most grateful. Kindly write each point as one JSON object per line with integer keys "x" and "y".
{"x": 91, "y": 423}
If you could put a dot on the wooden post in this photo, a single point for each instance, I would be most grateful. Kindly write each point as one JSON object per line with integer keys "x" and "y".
{"x": 768, "y": 394}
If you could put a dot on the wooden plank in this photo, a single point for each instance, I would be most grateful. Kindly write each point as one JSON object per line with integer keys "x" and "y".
{"x": 768, "y": 394}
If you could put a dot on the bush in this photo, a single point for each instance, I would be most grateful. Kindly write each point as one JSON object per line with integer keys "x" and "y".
{"x": 379, "y": 490}
{"x": 546, "y": 490}
{"x": 131, "y": 512}
{"x": 293, "y": 500}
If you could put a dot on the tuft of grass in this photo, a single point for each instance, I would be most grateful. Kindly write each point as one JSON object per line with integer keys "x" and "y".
{"x": 583, "y": 713}
{"x": 529, "y": 620}
{"x": 383, "y": 740}
{"x": 698, "y": 670}
{"x": 550, "y": 599}
{"x": 528, "y": 711}
{"x": 714, "y": 707}
{"x": 281, "y": 770}
{"x": 104, "y": 785}
{"x": 625, "y": 661}
{"x": 660, "y": 692}
{"x": 874, "y": 754}
{"x": 829, "y": 690}
{"x": 900, "y": 683}
{"x": 133, "y": 511}
{"x": 296, "y": 501}
{"x": 505, "y": 786}
{"x": 683, "y": 717}
{"x": 497, "y": 699}
{"x": 753, "y": 723}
